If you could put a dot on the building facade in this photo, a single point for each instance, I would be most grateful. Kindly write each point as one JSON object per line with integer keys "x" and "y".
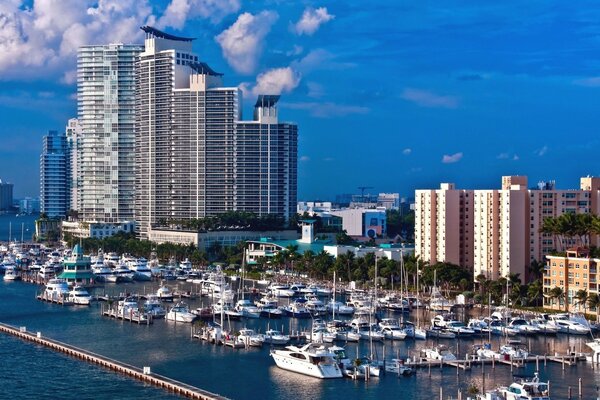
{"x": 6, "y": 196}
{"x": 571, "y": 272}
{"x": 106, "y": 117}
{"x": 496, "y": 232}
{"x": 195, "y": 156}
{"x": 75, "y": 145}
{"x": 55, "y": 175}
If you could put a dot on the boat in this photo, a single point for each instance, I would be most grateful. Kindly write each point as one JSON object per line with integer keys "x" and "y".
{"x": 281, "y": 290}
{"x": 79, "y": 295}
{"x": 10, "y": 274}
{"x": 397, "y": 366}
{"x": 440, "y": 352}
{"x": 140, "y": 270}
{"x": 180, "y": 313}
{"x": 523, "y": 326}
{"x": 392, "y": 330}
{"x": 440, "y": 333}
{"x": 56, "y": 289}
{"x": 225, "y": 307}
{"x": 251, "y": 338}
{"x": 544, "y": 326}
{"x": 310, "y": 359}
{"x": 164, "y": 293}
{"x": 297, "y": 309}
{"x": 363, "y": 366}
{"x": 247, "y": 309}
{"x": 275, "y": 337}
{"x": 524, "y": 388}
{"x": 513, "y": 351}
{"x": 337, "y": 307}
{"x": 154, "y": 307}
{"x": 565, "y": 325}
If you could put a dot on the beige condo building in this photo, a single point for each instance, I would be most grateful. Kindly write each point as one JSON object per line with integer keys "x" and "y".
{"x": 496, "y": 232}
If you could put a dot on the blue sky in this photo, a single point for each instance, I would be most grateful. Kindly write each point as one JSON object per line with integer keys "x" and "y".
{"x": 395, "y": 95}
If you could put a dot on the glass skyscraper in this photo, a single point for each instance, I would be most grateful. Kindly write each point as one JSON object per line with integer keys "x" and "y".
{"x": 55, "y": 175}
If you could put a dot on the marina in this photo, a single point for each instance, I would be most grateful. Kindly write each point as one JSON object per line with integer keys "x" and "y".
{"x": 186, "y": 352}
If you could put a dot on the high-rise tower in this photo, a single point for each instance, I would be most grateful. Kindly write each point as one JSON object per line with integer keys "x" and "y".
{"x": 195, "y": 157}
{"x": 106, "y": 114}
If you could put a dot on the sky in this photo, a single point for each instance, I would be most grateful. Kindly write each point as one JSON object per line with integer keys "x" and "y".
{"x": 394, "y": 95}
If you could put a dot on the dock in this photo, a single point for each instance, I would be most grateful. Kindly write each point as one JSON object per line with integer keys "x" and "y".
{"x": 131, "y": 316}
{"x": 56, "y": 300}
{"x": 143, "y": 375}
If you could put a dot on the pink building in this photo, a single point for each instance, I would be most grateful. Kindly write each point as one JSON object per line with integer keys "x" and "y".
{"x": 495, "y": 232}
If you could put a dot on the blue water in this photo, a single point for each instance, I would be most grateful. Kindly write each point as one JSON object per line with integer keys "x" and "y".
{"x": 34, "y": 372}
{"x": 11, "y": 226}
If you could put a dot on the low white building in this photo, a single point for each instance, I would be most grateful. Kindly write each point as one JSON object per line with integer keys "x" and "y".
{"x": 98, "y": 230}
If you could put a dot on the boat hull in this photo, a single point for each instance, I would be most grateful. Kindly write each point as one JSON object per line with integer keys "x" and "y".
{"x": 328, "y": 371}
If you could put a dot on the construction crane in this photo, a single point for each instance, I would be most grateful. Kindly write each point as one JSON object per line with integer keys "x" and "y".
{"x": 362, "y": 192}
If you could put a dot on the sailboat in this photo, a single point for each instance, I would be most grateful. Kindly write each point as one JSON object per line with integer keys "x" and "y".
{"x": 420, "y": 333}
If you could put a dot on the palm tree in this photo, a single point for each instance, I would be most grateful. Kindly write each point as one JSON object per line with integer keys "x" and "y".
{"x": 581, "y": 298}
{"x": 593, "y": 302}
{"x": 556, "y": 293}
{"x": 534, "y": 291}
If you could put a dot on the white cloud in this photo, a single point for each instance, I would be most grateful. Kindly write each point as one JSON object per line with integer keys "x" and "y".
{"x": 449, "y": 159}
{"x": 319, "y": 59}
{"x": 44, "y": 38}
{"x": 541, "y": 151}
{"x": 425, "y": 98}
{"x": 242, "y": 42}
{"x": 326, "y": 110}
{"x": 276, "y": 81}
{"x": 305, "y": 158}
{"x": 507, "y": 156}
{"x": 179, "y": 11}
{"x": 311, "y": 20}
{"x": 407, "y": 151}
{"x": 295, "y": 51}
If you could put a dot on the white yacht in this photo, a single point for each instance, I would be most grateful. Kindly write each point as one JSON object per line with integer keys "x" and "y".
{"x": 164, "y": 293}
{"x": 438, "y": 353}
{"x": 79, "y": 295}
{"x": 247, "y": 309}
{"x": 56, "y": 289}
{"x": 339, "y": 308}
{"x": 154, "y": 307}
{"x": 275, "y": 337}
{"x": 140, "y": 270}
{"x": 180, "y": 313}
{"x": 310, "y": 359}
{"x": 281, "y": 290}
{"x": 10, "y": 274}
{"x": 251, "y": 338}
{"x": 523, "y": 326}
{"x": 566, "y": 325}
{"x": 523, "y": 389}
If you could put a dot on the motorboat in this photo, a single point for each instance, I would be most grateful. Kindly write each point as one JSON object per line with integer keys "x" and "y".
{"x": 363, "y": 366}
{"x": 370, "y": 333}
{"x": 525, "y": 388}
{"x": 440, "y": 333}
{"x": 123, "y": 274}
{"x": 339, "y": 308}
{"x": 310, "y": 359}
{"x": 497, "y": 327}
{"x": 320, "y": 334}
{"x": 79, "y": 295}
{"x": 459, "y": 328}
{"x": 514, "y": 351}
{"x": 544, "y": 326}
{"x": 164, "y": 293}
{"x": 180, "y": 313}
{"x": 281, "y": 290}
{"x": 343, "y": 331}
{"x": 10, "y": 274}
{"x": 129, "y": 308}
{"x": 140, "y": 270}
{"x": 523, "y": 326}
{"x": 440, "y": 352}
{"x": 397, "y": 366}
{"x": 275, "y": 337}
{"x": 56, "y": 289}
{"x": 251, "y": 338}
{"x": 297, "y": 309}
{"x": 566, "y": 325}
{"x": 153, "y": 306}
{"x": 225, "y": 307}
{"x": 393, "y": 332}
{"x": 247, "y": 309}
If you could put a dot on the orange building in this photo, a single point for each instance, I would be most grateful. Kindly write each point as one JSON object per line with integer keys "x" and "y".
{"x": 573, "y": 272}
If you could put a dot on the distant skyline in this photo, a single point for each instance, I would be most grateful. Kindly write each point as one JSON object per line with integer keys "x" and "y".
{"x": 392, "y": 95}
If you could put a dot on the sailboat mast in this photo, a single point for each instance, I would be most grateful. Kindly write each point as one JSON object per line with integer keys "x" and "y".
{"x": 333, "y": 303}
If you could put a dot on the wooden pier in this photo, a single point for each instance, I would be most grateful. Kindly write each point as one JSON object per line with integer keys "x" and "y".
{"x": 143, "y": 375}
{"x": 138, "y": 318}
{"x": 56, "y": 300}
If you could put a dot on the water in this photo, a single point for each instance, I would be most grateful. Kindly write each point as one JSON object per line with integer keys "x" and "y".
{"x": 24, "y": 223}
{"x": 32, "y": 371}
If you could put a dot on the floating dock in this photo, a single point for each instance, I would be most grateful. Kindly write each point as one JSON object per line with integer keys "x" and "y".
{"x": 138, "y": 318}
{"x": 143, "y": 375}
{"x": 56, "y": 300}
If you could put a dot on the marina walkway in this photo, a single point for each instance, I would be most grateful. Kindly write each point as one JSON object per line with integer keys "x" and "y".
{"x": 143, "y": 375}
